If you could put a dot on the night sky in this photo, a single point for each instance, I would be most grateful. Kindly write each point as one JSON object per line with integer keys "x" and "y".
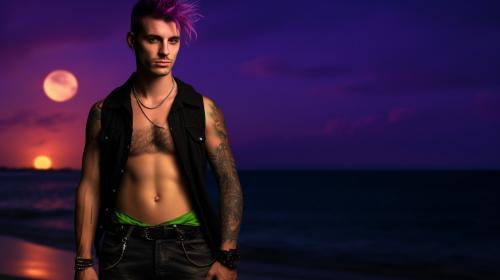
{"x": 302, "y": 84}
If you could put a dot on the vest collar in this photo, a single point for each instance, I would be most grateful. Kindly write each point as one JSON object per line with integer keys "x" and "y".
{"x": 120, "y": 97}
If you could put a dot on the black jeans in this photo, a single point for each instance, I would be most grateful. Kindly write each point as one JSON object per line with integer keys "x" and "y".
{"x": 124, "y": 256}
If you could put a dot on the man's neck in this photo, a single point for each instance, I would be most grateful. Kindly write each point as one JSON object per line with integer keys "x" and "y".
{"x": 153, "y": 87}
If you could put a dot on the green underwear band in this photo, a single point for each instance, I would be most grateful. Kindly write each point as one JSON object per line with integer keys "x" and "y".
{"x": 188, "y": 218}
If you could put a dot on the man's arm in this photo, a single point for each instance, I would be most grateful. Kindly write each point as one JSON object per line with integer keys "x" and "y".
{"x": 222, "y": 162}
{"x": 87, "y": 195}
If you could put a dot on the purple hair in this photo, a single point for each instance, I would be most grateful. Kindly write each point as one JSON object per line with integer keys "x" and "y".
{"x": 183, "y": 13}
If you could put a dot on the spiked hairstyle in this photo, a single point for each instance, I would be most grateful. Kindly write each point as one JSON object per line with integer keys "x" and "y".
{"x": 182, "y": 12}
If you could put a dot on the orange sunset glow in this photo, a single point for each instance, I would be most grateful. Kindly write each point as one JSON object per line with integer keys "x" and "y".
{"x": 42, "y": 162}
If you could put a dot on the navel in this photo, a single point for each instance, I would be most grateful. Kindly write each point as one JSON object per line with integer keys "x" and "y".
{"x": 157, "y": 198}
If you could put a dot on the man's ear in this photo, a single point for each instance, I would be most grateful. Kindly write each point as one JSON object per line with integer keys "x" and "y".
{"x": 131, "y": 40}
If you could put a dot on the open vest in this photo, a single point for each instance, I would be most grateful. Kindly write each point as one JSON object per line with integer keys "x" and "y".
{"x": 186, "y": 120}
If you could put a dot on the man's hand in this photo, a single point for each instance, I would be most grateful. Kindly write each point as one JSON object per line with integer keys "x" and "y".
{"x": 220, "y": 272}
{"x": 86, "y": 274}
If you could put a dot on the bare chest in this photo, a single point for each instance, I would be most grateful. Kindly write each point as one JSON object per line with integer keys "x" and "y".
{"x": 149, "y": 138}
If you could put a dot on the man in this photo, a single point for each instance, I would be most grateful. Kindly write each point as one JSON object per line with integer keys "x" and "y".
{"x": 141, "y": 199}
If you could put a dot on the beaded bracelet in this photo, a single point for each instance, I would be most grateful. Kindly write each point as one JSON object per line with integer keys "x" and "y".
{"x": 82, "y": 263}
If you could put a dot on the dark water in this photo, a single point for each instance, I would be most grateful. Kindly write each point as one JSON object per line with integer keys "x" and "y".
{"x": 317, "y": 224}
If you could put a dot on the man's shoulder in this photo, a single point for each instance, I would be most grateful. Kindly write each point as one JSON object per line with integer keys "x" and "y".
{"x": 190, "y": 94}
{"x": 98, "y": 104}
{"x": 192, "y": 91}
{"x": 188, "y": 88}
{"x": 207, "y": 101}
{"x": 114, "y": 93}
{"x": 115, "y": 97}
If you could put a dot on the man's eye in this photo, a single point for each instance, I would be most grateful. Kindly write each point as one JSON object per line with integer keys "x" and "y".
{"x": 152, "y": 40}
{"x": 174, "y": 41}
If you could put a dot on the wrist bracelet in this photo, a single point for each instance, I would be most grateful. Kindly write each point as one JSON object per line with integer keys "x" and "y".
{"x": 83, "y": 259}
{"x": 83, "y": 263}
{"x": 79, "y": 268}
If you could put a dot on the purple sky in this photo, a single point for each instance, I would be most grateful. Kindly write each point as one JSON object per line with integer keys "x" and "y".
{"x": 337, "y": 85}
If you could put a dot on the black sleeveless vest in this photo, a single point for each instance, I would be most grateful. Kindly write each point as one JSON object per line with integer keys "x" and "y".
{"x": 186, "y": 120}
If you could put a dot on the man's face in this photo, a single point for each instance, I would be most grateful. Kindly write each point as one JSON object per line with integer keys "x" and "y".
{"x": 156, "y": 46}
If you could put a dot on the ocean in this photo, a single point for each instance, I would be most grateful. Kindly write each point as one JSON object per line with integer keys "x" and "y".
{"x": 313, "y": 224}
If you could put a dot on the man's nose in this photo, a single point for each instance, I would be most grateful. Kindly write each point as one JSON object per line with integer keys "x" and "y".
{"x": 164, "y": 49}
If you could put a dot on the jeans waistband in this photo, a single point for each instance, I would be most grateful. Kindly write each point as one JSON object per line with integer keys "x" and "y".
{"x": 170, "y": 231}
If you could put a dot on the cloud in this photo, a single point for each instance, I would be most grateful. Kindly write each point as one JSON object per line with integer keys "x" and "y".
{"x": 342, "y": 87}
{"x": 399, "y": 114}
{"x": 39, "y": 143}
{"x": 273, "y": 66}
{"x": 29, "y": 118}
{"x": 48, "y": 24}
{"x": 486, "y": 105}
{"x": 399, "y": 80}
{"x": 235, "y": 22}
{"x": 343, "y": 127}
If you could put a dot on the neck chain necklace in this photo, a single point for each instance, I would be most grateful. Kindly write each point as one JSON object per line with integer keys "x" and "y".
{"x": 144, "y": 113}
{"x": 161, "y": 102}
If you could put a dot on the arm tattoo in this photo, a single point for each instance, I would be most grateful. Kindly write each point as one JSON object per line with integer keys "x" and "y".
{"x": 94, "y": 120}
{"x": 222, "y": 161}
{"x": 96, "y": 111}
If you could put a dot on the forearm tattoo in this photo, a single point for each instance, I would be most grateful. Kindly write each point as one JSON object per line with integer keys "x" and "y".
{"x": 222, "y": 161}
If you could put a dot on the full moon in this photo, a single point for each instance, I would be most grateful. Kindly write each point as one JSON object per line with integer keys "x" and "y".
{"x": 42, "y": 162}
{"x": 60, "y": 85}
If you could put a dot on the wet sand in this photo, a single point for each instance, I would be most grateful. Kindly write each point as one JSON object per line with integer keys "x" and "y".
{"x": 26, "y": 260}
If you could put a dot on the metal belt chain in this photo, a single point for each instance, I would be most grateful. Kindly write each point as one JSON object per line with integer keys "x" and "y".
{"x": 124, "y": 246}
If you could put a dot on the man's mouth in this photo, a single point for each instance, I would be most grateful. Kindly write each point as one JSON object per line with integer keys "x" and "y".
{"x": 162, "y": 62}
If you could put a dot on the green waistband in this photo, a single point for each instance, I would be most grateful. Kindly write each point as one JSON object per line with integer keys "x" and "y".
{"x": 188, "y": 218}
